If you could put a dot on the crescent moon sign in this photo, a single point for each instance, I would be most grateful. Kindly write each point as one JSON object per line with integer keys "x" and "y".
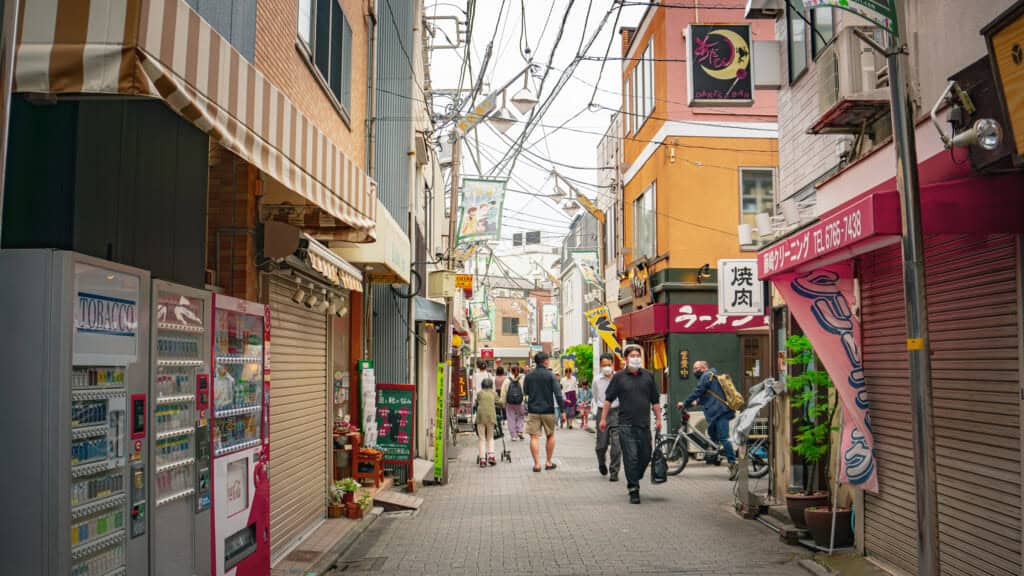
{"x": 738, "y": 63}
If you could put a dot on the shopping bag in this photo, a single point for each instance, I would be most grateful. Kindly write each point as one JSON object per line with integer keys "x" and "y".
{"x": 659, "y": 466}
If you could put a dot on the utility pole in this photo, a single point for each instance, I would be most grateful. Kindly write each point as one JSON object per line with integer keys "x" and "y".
{"x": 453, "y": 204}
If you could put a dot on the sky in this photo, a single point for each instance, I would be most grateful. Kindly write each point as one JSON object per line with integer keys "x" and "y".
{"x": 501, "y": 22}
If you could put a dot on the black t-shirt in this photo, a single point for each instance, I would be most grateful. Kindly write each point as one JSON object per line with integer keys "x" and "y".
{"x": 635, "y": 393}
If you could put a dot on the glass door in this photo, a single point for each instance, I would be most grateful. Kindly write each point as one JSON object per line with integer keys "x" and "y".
{"x": 237, "y": 381}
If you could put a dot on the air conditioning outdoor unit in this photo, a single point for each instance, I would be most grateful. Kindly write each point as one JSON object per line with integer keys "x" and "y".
{"x": 853, "y": 85}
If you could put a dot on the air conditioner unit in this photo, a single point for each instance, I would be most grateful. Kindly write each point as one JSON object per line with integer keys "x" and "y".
{"x": 852, "y": 85}
{"x": 764, "y": 9}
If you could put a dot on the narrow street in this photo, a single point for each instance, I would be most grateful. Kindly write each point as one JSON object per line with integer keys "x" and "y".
{"x": 508, "y": 520}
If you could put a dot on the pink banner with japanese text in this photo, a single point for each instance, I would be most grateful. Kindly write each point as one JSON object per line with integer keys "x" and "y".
{"x": 820, "y": 302}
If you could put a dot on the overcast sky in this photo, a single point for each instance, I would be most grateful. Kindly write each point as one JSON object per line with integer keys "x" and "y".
{"x": 576, "y": 144}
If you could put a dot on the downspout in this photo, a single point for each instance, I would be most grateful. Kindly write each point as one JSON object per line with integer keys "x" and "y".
{"x": 371, "y": 158}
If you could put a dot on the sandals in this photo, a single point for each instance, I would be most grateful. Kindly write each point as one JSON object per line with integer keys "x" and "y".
{"x": 551, "y": 466}
{"x": 490, "y": 460}
{"x": 482, "y": 463}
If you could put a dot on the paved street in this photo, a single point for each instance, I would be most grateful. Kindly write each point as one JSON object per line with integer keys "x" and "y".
{"x": 509, "y": 520}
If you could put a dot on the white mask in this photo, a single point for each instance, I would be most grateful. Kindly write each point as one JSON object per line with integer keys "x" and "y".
{"x": 606, "y": 370}
{"x": 636, "y": 362}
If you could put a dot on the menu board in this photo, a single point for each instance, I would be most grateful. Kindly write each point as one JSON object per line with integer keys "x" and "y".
{"x": 395, "y": 420}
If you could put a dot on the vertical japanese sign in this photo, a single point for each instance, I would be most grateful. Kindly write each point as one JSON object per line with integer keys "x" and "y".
{"x": 820, "y": 302}
{"x": 439, "y": 425}
{"x": 480, "y": 218}
{"x": 881, "y": 13}
{"x": 601, "y": 320}
{"x": 718, "y": 65}
{"x": 548, "y": 322}
{"x": 368, "y": 401}
{"x": 740, "y": 293}
{"x": 395, "y": 417}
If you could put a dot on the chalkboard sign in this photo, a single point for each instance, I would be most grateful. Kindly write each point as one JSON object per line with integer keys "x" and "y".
{"x": 718, "y": 65}
{"x": 396, "y": 405}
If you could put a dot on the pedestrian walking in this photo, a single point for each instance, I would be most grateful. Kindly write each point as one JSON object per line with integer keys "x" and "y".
{"x": 481, "y": 372}
{"x": 542, "y": 395}
{"x": 515, "y": 410}
{"x": 608, "y": 437}
{"x": 487, "y": 403}
{"x": 711, "y": 397}
{"x": 584, "y": 402}
{"x": 499, "y": 381}
{"x": 637, "y": 394}
{"x": 569, "y": 389}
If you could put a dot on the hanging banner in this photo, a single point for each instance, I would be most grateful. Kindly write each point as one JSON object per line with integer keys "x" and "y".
{"x": 548, "y": 322}
{"x": 820, "y": 302}
{"x": 881, "y": 13}
{"x": 601, "y": 320}
{"x": 439, "y": 422}
{"x": 480, "y": 215}
{"x": 718, "y": 67}
{"x": 368, "y": 397}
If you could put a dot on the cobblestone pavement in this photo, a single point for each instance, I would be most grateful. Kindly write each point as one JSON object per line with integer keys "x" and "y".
{"x": 510, "y": 520}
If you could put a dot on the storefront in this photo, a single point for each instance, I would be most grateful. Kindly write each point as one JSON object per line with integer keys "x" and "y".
{"x": 309, "y": 293}
{"x": 431, "y": 319}
{"x": 853, "y": 260}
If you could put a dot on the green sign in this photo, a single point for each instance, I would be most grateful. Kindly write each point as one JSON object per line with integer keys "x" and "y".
{"x": 395, "y": 420}
{"x": 439, "y": 426}
{"x": 881, "y": 13}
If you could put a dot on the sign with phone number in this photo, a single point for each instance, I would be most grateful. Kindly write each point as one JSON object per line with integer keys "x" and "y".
{"x": 874, "y": 215}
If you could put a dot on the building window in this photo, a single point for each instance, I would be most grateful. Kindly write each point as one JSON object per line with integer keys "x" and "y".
{"x": 510, "y": 326}
{"x": 637, "y": 89}
{"x": 757, "y": 193}
{"x": 647, "y": 73}
{"x": 326, "y": 36}
{"x": 824, "y": 30}
{"x": 796, "y": 40}
{"x": 645, "y": 225}
{"x": 628, "y": 94}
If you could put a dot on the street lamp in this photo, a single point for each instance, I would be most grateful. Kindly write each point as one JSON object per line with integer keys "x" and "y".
{"x": 524, "y": 100}
{"x": 503, "y": 119}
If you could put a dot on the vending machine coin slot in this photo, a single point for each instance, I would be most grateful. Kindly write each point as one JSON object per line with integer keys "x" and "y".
{"x": 138, "y": 494}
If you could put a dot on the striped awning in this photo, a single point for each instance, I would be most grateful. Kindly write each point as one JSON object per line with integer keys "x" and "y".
{"x": 163, "y": 49}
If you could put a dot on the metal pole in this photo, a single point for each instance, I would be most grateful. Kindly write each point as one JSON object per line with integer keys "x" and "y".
{"x": 917, "y": 313}
{"x": 453, "y": 204}
{"x": 8, "y": 42}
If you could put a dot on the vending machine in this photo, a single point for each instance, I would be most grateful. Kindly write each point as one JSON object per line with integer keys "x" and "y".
{"x": 241, "y": 450}
{"x": 180, "y": 460}
{"x": 75, "y": 356}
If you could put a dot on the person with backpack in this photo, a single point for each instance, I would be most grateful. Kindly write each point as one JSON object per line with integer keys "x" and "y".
{"x": 487, "y": 404}
{"x": 712, "y": 396}
{"x": 515, "y": 410}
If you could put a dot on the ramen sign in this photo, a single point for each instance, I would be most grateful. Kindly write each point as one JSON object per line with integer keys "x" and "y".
{"x": 719, "y": 69}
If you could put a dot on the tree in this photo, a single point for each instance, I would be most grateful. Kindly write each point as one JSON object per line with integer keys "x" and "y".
{"x": 584, "y": 359}
{"x": 810, "y": 392}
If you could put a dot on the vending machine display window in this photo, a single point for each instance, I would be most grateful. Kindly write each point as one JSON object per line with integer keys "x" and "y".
{"x": 237, "y": 382}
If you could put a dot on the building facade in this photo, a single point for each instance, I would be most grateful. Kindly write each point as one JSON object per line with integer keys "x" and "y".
{"x": 838, "y": 163}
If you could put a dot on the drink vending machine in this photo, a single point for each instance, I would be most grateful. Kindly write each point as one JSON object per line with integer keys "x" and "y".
{"x": 74, "y": 350}
{"x": 241, "y": 449}
{"x": 180, "y": 489}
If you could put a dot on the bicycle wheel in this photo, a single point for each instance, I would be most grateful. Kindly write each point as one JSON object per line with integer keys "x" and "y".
{"x": 758, "y": 467}
{"x": 676, "y": 455}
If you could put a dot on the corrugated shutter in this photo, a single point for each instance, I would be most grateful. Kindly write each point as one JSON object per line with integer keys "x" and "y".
{"x": 298, "y": 416}
{"x": 974, "y": 330}
{"x": 890, "y": 521}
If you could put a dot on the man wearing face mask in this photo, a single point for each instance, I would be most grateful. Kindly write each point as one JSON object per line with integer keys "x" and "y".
{"x": 610, "y": 435}
{"x": 710, "y": 396}
{"x": 637, "y": 394}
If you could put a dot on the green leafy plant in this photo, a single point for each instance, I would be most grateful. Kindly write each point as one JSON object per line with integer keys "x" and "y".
{"x": 364, "y": 500}
{"x": 336, "y": 494}
{"x": 347, "y": 485}
{"x": 810, "y": 391}
{"x": 584, "y": 359}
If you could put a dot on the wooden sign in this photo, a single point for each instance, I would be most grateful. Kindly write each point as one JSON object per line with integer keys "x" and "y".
{"x": 1006, "y": 51}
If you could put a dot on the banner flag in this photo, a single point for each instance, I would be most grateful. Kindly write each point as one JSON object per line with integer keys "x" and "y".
{"x": 480, "y": 213}
{"x": 601, "y": 320}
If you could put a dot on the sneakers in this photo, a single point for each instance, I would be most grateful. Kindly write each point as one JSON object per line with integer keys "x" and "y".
{"x": 733, "y": 471}
{"x": 614, "y": 477}
{"x": 602, "y": 468}
{"x": 634, "y": 497}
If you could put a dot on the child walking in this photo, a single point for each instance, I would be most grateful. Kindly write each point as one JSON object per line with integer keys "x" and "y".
{"x": 584, "y": 403}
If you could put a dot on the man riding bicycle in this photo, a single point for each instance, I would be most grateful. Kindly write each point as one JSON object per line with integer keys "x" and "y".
{"x": 710, "y": 396}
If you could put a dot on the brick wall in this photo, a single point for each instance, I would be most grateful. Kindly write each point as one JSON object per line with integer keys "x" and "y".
{"x": 233, "y": 184}
{"x": 278, "y": 57}
{"x": 803, "y": 157}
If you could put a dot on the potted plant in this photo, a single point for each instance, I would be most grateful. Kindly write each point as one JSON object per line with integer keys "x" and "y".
{"x": 336, "y": 500}
{"x": 810, "y": 392}
{"x": 365, "y": 500}
{"x": 348, "y": 487}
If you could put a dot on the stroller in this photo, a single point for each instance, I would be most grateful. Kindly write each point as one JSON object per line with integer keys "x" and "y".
{"x": 506, "y": 454}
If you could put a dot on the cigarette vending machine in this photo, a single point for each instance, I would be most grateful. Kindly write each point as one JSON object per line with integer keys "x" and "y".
{"x": 241, "y": 450}
{"x": 180, "y": 490}
{"x": 74, "y": 351}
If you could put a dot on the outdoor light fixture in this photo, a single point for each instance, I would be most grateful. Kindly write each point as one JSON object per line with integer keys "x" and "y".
{"x": 986, "y": 134}
{"x": 746, "y": 235}
{"x": 764, "y": 224}
{"x": 311, "y": 300}
{"x": 570, "y": 208}
{"x": 524, "y": 100}
{"x": 322, "y": 306}
{"x": 502, "y": 120}
{"x": 300, "y": 293}
{"x": 557, "y": 195}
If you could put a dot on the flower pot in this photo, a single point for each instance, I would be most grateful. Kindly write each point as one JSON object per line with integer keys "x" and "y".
{"x": 819, "y": 524}
{"x": 335, "y": 510}
{"x": 353, "y": 510}
{"x": 348, "y": 497}
{"x": 797, "y": 503}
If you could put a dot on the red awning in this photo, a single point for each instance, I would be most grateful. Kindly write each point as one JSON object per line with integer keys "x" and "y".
{"x": 660, "y": 319}
{"x": 980, "y": 205}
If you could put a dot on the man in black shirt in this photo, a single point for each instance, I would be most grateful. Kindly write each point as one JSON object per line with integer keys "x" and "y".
{"x": 636, "y": 392}
{"x": 542, "y": 391}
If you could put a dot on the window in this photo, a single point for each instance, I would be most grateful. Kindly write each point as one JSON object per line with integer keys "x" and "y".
{"x": 627, "y": 118}
{"x": 757, "y": 193}
{"x": 510, "y": 325}
{"x": 824, "y": 30}
{"x": 647, "y": 63}
{"x": 645, "y": 225}
{"x": 326, "y": 35}
{"x": 796, "y": 40}
{"x": 637, "y": 89}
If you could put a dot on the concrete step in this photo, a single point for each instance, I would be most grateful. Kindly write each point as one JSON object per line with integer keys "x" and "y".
{"x": 392, "y": 500}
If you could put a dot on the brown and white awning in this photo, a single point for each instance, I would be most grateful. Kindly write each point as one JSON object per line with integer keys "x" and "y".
{"x": 163, "y": 49}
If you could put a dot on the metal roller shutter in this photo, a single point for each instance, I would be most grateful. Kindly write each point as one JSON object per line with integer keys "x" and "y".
{"x": 974, "y": 330}
{"x": 298, "y": 416}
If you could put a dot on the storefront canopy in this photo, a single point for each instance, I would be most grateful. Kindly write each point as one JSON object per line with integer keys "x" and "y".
{"x": 163, "y": 49}
{"x": 660, "y": 319}
{"x": 429, "y": 311}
